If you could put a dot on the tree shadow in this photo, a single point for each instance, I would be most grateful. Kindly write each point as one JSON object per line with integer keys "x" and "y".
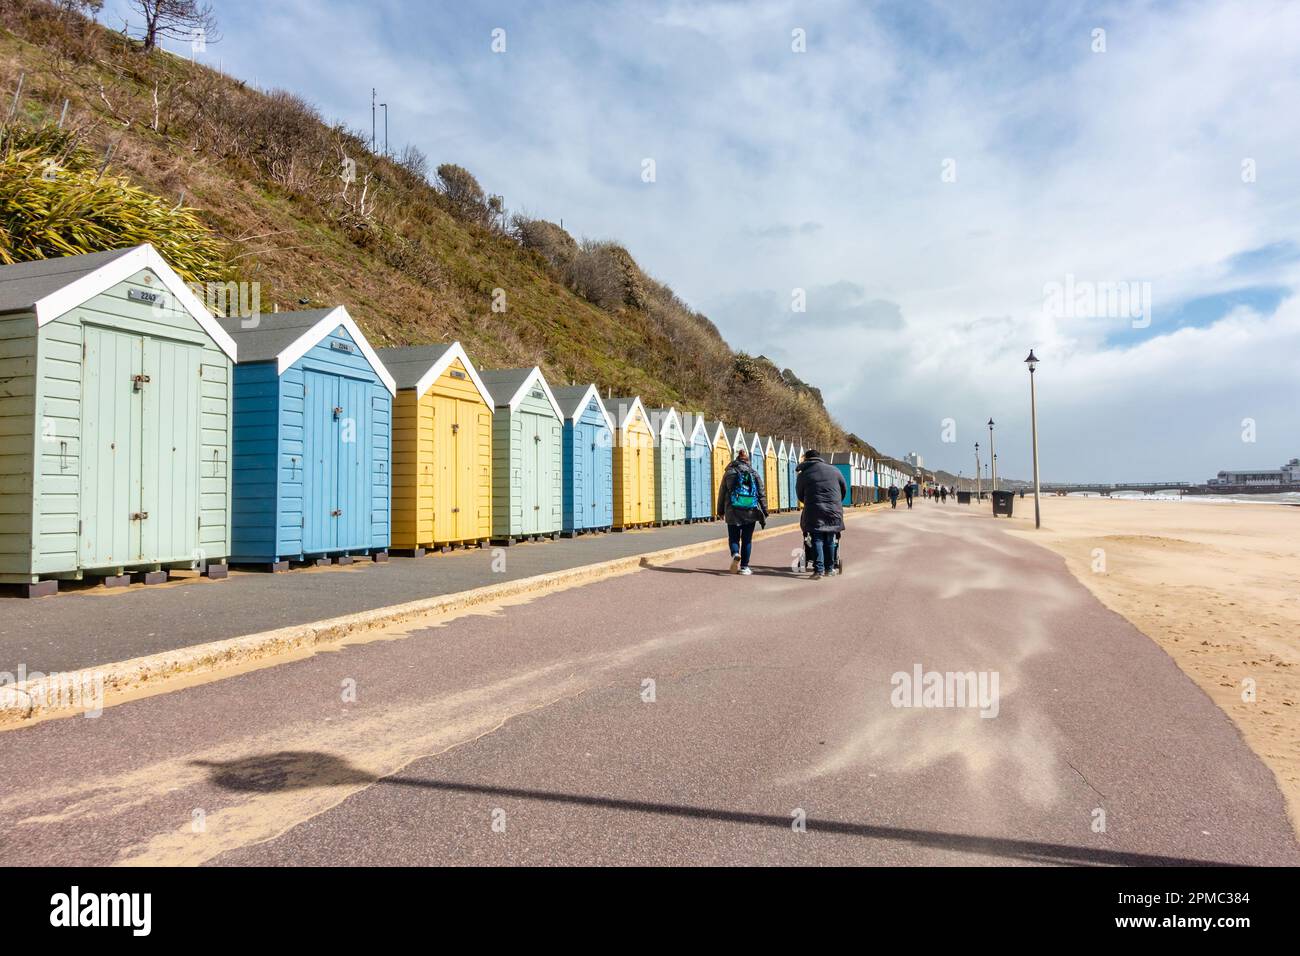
{"x": 293, "y": 769}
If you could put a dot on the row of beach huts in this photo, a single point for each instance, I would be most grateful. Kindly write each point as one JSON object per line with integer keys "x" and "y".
{"x": 140, "y": 434}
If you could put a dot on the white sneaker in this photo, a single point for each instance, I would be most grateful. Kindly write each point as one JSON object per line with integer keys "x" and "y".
{"x": 746, "y": 571}
{"x": 735, "y": 563}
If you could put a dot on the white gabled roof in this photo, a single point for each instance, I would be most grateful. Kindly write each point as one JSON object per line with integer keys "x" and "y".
{"x": 454, "y": 351}
{"x": 54, "y": 287}
{"x": 577, "y": 404}
{"x": 756, "y": 443}
{"x": 700, "y": 428}
{"x": 626, "y": 406}
{"x": 520, "y": 380}
{"x": 661, "y": 419}
{"x": 288, "y": 336}
{"x": 738, "y": 438}
{"x": 719, "y": 431}
{"x": 770, "y": 446}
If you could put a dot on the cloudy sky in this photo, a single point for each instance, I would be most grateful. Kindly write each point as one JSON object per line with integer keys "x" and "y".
{"x": 940, "y": 185}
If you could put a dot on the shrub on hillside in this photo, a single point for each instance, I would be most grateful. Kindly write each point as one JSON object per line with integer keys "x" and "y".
{"x": 54, "y": 201}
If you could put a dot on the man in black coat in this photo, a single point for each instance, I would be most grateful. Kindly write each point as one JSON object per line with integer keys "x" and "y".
{"x": 820, "y": 488}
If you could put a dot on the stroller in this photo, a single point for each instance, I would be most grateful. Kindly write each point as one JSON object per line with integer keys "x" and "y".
{"x": 808, "y": 560}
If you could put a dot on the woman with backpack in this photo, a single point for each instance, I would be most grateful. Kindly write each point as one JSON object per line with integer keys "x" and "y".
{"x": 743, "y": 501}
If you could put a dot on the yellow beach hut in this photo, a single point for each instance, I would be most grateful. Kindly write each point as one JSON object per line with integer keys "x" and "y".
{"x": 722, "y": 456}
{"x": 634, "y": 463}
{"x": 442, "y": 449}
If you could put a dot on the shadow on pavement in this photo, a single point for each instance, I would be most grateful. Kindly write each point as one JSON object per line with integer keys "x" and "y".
{"x": 293, "y": 769}
{"x": 722, "y": 572}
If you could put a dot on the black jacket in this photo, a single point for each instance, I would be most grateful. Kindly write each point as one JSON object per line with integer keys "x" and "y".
{"x": 741, "y": 515}
{"x": 821, "y": 488}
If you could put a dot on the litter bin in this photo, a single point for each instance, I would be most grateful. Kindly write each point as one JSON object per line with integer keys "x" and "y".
{"x": 1002, "y": 501}
{"x": 963, "y": 497}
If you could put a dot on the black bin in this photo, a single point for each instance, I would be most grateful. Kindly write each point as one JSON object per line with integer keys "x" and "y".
{"x": 963, "y": 497}
{"x": 1002, "y": 502}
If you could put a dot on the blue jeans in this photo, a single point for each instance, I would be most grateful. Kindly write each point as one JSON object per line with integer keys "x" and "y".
{"x": 741, "y": 539}
{"x": 823, "y": 543}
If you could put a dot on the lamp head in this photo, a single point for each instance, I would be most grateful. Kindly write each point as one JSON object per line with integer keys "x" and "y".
{"x": 1032, "y": 361}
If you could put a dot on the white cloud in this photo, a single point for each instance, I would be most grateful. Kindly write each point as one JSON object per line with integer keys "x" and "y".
{"x": 821, "y": 170}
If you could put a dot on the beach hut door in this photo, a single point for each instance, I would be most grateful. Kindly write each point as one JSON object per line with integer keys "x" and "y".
{"x": 139, "y": 488}
{"x": 530, "y": 474}
{"x": 321, "y": 457}
{"x": 590, "y": 500}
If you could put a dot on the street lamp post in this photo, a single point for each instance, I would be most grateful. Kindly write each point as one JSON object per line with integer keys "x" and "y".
{"x": 979, "y": 489}
{"x": 1032, "y": 362}
{"x": 993, "y": 455}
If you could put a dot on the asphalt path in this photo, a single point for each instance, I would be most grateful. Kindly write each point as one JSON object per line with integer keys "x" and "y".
{"x": 90, "y": 624}
{"x": 682, "y": 714}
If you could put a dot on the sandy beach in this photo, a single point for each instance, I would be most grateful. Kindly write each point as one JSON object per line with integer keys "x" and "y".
{"x": 1215, "y": 585}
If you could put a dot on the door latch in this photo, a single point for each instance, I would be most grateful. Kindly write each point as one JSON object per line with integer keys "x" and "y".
{"x": 336, "y": 512}
{"x": 139, "y": 515}
{"x": 338, "y": 412}
{"x": 139, "y": 381}
{"x": 455, "y": 427}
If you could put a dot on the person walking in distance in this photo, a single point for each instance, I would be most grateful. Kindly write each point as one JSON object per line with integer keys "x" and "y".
{"x": 742, "y": 499}
{"x": 893, "y": 495}
{"x": 943, "y": 494}
{"x": 820, "y": 488}
{"x": 909, "y": 489}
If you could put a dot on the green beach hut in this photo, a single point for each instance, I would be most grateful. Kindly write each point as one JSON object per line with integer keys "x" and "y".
{"x": 670, "y": 465}
{"x": 115, "y": 422}
{"x": 527, "y": 455}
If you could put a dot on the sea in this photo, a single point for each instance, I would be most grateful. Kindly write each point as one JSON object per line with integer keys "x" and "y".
{"x": 1281, "y": 498}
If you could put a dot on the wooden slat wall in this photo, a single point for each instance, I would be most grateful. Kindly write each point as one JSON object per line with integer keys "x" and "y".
{"x": 19, "y": 434}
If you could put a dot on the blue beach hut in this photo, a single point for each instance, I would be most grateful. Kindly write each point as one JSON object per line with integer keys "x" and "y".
{"x": 699, "y": 469}
{"x": 312, "y": 440}
{"x": 588, "y": 484}
{"x": 758, "y": 461}
{"x": 843, "y": 460}
{"x": 792, "y": 476}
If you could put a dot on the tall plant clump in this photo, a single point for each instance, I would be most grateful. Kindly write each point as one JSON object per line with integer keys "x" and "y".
{"x": 56, "y": 201}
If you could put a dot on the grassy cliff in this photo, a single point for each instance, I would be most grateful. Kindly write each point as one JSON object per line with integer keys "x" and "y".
{"x": 416, "y": 253}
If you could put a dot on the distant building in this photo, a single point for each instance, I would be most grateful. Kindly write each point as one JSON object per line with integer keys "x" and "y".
{"x": 1288, "y": 474}
{"x": 915, "y": 460}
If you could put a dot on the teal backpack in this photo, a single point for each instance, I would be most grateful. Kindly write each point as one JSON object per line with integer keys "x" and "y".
{"x": 744, "y": 491}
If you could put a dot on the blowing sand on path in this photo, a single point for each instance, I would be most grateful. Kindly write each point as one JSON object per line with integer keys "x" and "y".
{"x": 1215, "y": 584}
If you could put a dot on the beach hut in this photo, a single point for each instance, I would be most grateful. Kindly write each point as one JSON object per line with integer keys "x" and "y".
{"x": 783, "y": 474}
{"x": 588, "y": 460}
{"x": 670, "y": 465}
{"x": 700, "y": 492}
{"x": 771, "y": 474}
{"x": 757, "y": 460}
{"x": 843, "y": 460}
{"x": 527, "y": 456}
{"x": 855, "y": 487}
{"x": 312, "y": 440}
{"x": 442, "y": 449}
{"x": 634, "y": 463}
{"x": 115, "y": 422}
{"x": 792, "y": 475}
{"x": 721, "y": 457}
